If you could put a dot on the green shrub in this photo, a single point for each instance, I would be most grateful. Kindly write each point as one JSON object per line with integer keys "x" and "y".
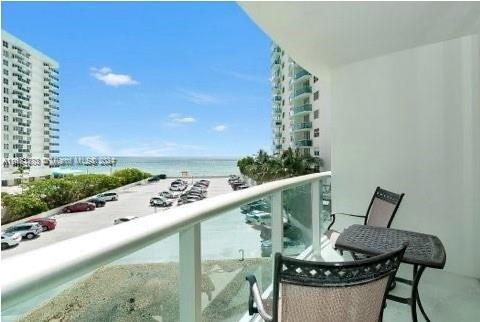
{"x": 21, "y": 206}
{"x": 130, "y": 175}
{"x": 55, "y": 192}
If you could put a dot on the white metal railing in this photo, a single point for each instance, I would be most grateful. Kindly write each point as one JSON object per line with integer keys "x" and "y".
{"x": 28, "y": 274}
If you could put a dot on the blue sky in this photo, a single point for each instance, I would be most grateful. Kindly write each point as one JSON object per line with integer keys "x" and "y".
{"x": 153, "y": 79}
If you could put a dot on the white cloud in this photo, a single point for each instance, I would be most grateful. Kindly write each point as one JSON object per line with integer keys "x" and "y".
{"x": 220, "y": 128}
{"x": 199, "y": 97}
{"x": 185, "y": 120}
{"x": 106, "y": 75}
{"x": 100, "y": 146}
{"x": 96, "y": 143}
{"x": 177, "y": 118}
{"x": 244, "y": 76}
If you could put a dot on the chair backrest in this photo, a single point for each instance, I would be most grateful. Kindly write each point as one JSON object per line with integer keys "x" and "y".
{"x": 382, "y": 208}
{"x": 343, "y": 291}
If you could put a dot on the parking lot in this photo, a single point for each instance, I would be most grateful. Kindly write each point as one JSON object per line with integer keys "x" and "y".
{"x": 133, "y": 201}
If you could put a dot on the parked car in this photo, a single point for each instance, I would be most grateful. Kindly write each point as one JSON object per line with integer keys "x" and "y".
{"x": 97, "y": 201}
{"x": 26, "y": 230}
{"x": 256, "y": 217}
{"x": 157, "y": 177}
{"x": 123, "y": 219}
{"x": 168, "y": 195}
{"x": 80, "y": 206}
{"x": 108, "y": 196}
{"x": 205, "y": 182}
{"x": 178, "y": 185}
{"x": 160, "y": 202}
{"x": 233, "y": 178}
{"x": 255, "y": 205}
{"x": 10, "y": 240}
{"x": 46, "y": 223}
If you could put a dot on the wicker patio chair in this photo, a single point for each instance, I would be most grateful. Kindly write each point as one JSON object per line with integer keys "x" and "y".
{"x": 380, "y": 212}
{"x": 328, "y": 292}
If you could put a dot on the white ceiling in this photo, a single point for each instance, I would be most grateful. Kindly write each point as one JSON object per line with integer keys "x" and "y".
{"x": 337, "y": 33}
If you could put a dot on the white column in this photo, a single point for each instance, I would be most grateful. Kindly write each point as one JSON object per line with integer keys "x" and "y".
{"x": 277, "y": 223}
{"x": 317, "y": 205}
{"x": 190, "y": 270}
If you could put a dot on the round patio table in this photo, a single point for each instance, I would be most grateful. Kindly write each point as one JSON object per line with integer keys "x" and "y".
{"x": 422, "y": 251}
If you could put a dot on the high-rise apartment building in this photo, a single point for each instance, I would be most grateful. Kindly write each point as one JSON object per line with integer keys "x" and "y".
{"x": 298, "y": 108}
{"x": 30, "y": 108}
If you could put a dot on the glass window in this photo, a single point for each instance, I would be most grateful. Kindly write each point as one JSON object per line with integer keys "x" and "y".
{"x": 5, "y": 44}
{"x": 5, "y": 99}
{"x": 316, "y": 132}
{"x": 315, "y": 96}
{"x": 315, "y": 114}
{"x": 315, "y": 79}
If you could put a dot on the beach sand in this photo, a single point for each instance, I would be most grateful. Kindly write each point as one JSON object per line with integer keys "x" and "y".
{"x": 149, "y": 292}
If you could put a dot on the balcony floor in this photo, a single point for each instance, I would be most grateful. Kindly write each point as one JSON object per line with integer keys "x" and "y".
{"x": 445, "y": 296}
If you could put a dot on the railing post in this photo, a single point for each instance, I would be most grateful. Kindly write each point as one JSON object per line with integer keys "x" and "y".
{"x": 190, "y": 275}
{"x": 277, "y": 223}
{"x": 317, "y": 206}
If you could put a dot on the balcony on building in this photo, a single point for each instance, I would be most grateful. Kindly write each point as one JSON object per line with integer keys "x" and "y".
{"x": 275, "y": 66}
{"x": 303, "y": 143}
{"x": 301, "y": 126}
{"x": 301, "y": 109}
{"x": 300, "y": 92}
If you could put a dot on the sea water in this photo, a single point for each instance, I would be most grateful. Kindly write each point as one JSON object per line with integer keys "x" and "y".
{"x": 172, "y": 167}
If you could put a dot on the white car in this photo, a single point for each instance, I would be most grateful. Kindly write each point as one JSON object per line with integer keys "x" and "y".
{"x": 10, "y": 240}
{"x": 108, "y": 196}
{"x": 123, "y": 219}
{"x": 26, "y": 230}
{"x": 257, "y": 217}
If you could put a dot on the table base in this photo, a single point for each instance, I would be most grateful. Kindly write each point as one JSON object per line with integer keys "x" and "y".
{"x": 414, "y": 300}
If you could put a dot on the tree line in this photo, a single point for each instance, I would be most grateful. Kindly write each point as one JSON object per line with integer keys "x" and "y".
{"x": 42, "y": 195}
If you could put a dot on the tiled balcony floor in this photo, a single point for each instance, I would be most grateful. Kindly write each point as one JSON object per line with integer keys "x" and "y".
{"x": 446, "y": 297}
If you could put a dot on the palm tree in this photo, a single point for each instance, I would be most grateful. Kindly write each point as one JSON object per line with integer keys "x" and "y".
{"x": 22, "y": 171}
{"x": 263, "y": 167}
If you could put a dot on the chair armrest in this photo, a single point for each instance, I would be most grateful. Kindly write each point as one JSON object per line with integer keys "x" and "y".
{"x": 341, "y": 213}
{"x": 255, "y": 303}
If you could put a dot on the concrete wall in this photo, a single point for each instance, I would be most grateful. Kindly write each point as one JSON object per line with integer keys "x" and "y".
{"x": 409, "y": 122}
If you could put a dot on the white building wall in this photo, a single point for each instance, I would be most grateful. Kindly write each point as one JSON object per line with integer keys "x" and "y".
{"x": 409, "y": 122}
{"x": 43, "y": 108}
{"x": 321, "y": 143}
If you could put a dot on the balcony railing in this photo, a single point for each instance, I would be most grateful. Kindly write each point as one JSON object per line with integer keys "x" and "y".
{"x": 201, "y": 263}
{"x": 298, "y": 92}
{"x": 298, "y": 110}
{"x": 277, "y": 98}
{"x": 301, "y": 73}
{"x": 302, "y": 126}
{"x": 303, "y": 143}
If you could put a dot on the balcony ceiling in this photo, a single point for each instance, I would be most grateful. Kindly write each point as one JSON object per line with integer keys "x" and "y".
{"x": 318, "y": 34}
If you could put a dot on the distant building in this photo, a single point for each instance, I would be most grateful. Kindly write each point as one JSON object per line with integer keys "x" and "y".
{"x": 299, "y": 108}
{"x": 30, "y": 108}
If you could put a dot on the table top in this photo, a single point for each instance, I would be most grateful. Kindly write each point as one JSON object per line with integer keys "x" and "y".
{"x": 422, "y": 249}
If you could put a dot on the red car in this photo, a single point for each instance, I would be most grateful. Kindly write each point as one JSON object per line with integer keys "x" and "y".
{"x": 46, "y": 223}
{"x": 80, "y": 206}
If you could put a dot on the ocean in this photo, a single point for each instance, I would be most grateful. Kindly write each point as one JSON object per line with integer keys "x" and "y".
{"x": 170, "y": 166}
